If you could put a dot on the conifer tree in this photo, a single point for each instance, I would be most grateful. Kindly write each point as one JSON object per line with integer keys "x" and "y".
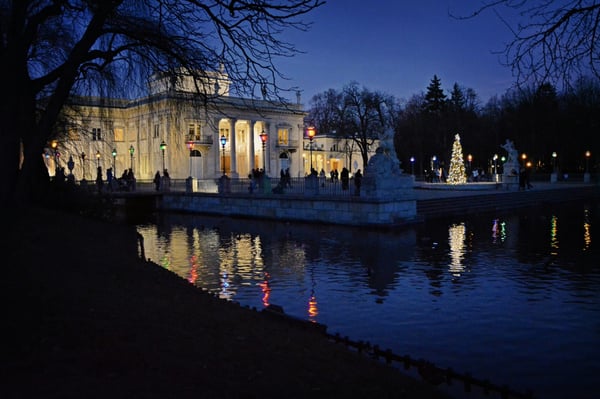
{"x": 457, "y": 174}
{"x": 435, "y": 99}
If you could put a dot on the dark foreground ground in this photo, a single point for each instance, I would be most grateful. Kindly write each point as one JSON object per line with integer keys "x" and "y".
{"x": 85, "y": 317}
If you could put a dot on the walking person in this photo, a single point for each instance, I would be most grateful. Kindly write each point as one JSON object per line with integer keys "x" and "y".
{"x": 357, "y": 182}
{"x": 157, "y": 181}
{"x": 345, "y": 178}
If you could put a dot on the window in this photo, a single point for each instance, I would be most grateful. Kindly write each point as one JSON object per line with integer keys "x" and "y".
{"x": 156, "y": 131}
{"x": 96, "y": 134}
{"x": 119, "y": 134}
{"x": 283, "y": 136}
{"x": 194, "y": 131}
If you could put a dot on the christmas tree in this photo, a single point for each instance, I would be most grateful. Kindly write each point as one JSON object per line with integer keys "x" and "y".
{"x": 457, "y": 174}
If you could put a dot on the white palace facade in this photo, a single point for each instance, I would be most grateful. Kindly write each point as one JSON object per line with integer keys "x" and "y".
{"x": 173, "y": 129}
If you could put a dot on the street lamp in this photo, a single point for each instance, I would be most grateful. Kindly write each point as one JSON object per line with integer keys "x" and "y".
{"x": 554, "y": 155}
{"x": 311, "y": 132}
{"x": 163, "y": 147}
{"x": 495, "y": 158}
{"x": 190, "y": 146}
{"x": 412, "y": 166}
{"x": 131, "y": 151}
{"x": 55, "y": 153}
{"x": 263, "y": 137}
{"x": 114, "y": 154}
{"x": 470, "y": 158}
{"x": 223, "y": 142}
{"x": 587, "y": 161}
{"x": 83, "y": 164}
{"x": 523, "y": 157}
{"x": 98, "y": 158}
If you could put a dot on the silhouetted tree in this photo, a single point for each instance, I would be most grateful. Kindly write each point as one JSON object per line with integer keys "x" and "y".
{"x": 555, "y": 41}
{"x": 357, "y": 114}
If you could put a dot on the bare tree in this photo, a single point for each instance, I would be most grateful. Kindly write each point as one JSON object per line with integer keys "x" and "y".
{"x": 556, "y": 41}
{"x": 52, "y": 49}
{"x": 356, "y": 114}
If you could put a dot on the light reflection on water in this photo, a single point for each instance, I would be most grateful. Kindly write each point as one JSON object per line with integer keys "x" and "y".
{"x": 510, "y": 298}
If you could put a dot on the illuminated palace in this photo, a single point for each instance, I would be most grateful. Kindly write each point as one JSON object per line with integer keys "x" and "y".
{"x": 173, "y": 129}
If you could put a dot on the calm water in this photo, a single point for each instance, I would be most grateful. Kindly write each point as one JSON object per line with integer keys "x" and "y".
{"x": 513, "y": 298}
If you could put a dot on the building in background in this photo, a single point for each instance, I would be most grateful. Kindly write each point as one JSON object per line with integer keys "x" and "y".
{"x": 174, "y": 129}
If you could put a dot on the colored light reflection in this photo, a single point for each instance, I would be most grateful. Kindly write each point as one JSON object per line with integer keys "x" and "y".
{"x": 498, "y": 231}
{"x": 193, "y": 274}
{"x": 266, "y": 290}
{"x": 313, "y": 309}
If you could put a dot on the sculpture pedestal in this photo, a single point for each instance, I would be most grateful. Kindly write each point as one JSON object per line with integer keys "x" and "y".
{"x": 384, "y": 179}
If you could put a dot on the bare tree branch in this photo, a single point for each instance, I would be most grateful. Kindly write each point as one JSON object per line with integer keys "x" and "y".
{"x": 556, "y": 41}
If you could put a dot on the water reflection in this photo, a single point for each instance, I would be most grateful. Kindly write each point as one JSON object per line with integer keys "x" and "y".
{"x": 587, "y": 234}
{"x": 416, "y": 289}
{"x": 456, "y": 239}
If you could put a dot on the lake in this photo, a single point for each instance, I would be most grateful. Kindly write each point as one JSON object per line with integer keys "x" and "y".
{"x": 510, "y": 297}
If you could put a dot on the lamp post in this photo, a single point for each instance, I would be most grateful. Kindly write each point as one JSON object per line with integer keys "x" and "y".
{"x": 114, "y": 154}
{"x": 587, "y": 161}
{"x": 554, "y": 174}
{"x": 83, "y": 165}
{"x": 412, "y": 166}
{"x": 586, "y": 175}
{"x": 223, "y": 142}
{"x": 495, "y": 158}
{"x": 523, "y": 157}
{"x": 131, "y": 151}
{"x": 163, "y": 147}
{"x": 55, "y": 153}
{"x": 470, "y": 158}
{"x": 311, "y": 132}
{"x": 263, "y": 137}
{"x": 98, "y": 158}
{"x": 190, "y": 146}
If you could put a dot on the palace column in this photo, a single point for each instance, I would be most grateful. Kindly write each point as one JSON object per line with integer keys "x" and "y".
{"x": 251, "y": 149}
{"x": 232, "y": 148}
{"x": 216, "y": 149}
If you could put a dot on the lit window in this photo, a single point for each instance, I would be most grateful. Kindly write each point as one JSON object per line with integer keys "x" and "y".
{"x": 283, "y": 136}
{"x": 194, "y": 131}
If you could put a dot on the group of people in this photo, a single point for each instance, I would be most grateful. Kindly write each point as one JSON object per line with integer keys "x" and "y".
{"x": 162, "y": 183}
{"x": 343, "y": 176}
{"x": 125, "y": 183}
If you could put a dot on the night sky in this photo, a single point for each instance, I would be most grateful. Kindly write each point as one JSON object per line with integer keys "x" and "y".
{"x": 396, "y": 47}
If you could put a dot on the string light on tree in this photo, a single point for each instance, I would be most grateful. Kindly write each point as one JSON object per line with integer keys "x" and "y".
{"x": 457, "y": 174}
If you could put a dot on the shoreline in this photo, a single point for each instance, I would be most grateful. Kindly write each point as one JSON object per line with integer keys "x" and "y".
{"x": 88, "y": 318}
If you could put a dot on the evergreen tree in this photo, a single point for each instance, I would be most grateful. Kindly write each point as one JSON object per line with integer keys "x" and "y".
{"x": 435, "y": 99}
{"x": 457, "y": 174}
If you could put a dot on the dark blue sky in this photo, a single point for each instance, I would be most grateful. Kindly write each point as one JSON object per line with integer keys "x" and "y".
{"x": 397, "y": 46}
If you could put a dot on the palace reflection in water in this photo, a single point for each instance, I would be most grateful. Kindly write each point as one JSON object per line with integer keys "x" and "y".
{"x": 507, "y": 297}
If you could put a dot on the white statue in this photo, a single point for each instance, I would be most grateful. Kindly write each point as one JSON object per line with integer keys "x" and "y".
{"x": 513, "y": 155}
{"x": 386, "y": 143}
